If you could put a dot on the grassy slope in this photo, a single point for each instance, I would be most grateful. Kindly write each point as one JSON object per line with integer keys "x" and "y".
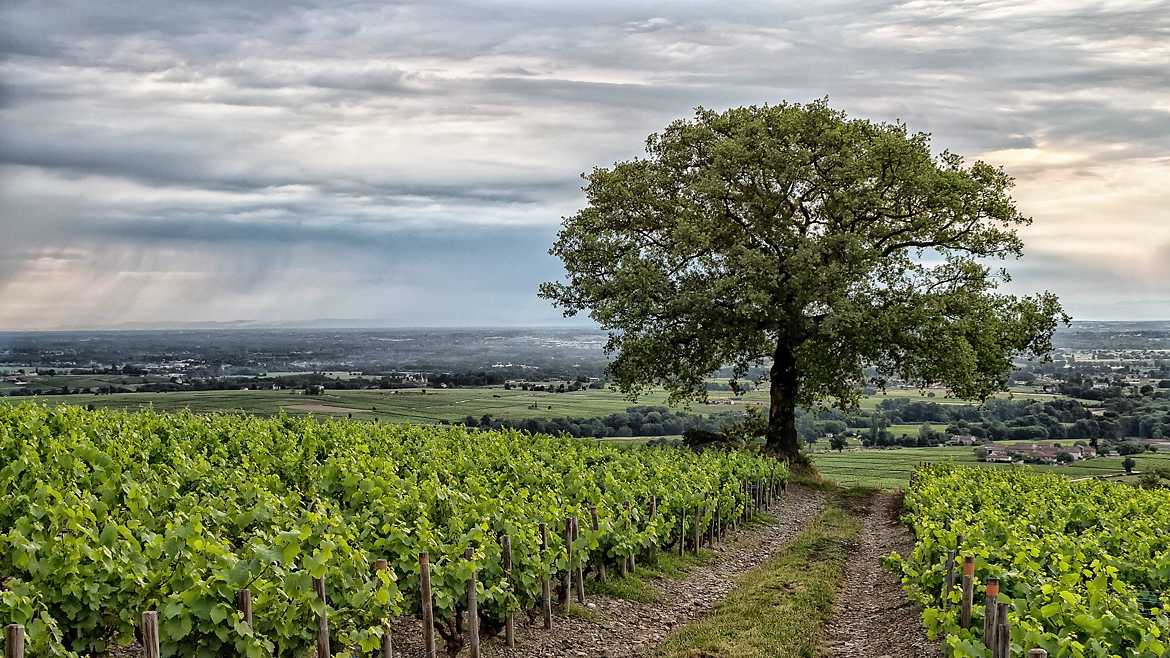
{"x": 777, "y": 610}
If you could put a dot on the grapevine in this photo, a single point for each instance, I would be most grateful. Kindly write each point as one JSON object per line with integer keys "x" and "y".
{"x": 1083, "y": 565}
{"x": 107, "y": 514}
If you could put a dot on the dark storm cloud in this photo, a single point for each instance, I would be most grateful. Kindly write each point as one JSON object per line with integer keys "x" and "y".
{"x": 264, "y": 155}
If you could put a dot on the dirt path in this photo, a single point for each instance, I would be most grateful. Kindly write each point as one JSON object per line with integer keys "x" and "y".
{"x": 624, "y": 629}
{"x": 872, "y": 618}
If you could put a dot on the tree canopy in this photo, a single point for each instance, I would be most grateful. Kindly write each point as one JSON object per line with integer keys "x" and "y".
{"x": 794, "y": 237}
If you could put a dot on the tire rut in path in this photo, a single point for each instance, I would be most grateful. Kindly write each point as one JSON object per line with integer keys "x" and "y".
{"x": 872, "y": 618}
{"x": 624, "y": 629}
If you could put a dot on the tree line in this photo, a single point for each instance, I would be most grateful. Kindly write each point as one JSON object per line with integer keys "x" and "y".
{"x": 634, "y": 421}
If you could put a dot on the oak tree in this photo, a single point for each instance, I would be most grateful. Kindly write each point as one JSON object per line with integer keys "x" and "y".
{"x": 817, "y": 246}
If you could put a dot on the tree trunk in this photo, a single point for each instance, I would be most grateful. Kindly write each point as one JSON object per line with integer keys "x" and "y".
{"x": 782, "y": 438}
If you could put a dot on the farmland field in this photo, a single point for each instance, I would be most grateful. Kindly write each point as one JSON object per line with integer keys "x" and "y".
{"x": 400, "y": 405}
{"x": 87, "y": 381}
{"x": 452, "y": 404}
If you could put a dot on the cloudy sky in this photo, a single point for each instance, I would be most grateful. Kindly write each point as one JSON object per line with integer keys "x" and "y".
{"x": 177, "y": 160}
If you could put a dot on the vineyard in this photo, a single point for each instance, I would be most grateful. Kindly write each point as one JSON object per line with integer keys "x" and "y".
{"x": 1079, "y": 568}
{"x": 343, "y": 525}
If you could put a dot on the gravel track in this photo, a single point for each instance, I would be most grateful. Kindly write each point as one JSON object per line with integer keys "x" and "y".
{"x": 872, "y": 618}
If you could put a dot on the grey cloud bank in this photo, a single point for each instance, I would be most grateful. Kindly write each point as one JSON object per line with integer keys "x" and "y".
{"x": 216, "y": 161}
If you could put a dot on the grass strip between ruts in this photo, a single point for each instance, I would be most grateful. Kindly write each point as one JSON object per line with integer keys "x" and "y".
{"x": 778, "y": 609}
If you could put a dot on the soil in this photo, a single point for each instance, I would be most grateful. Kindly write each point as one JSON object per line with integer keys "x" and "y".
{"x": 624, "y": 629}
{"x": 872, "y": 618}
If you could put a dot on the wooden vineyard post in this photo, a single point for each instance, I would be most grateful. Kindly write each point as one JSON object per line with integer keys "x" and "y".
{"x": 629, "y": 523}
{"x": 567, "y": 582}
{"x": 322, "y": 621}
{"x": 990, "y": 608}
{"x": 682, "y": 529}
{"x": 597, "y": 526}
{"x": 580, "y": 566}
{"x": 150, "y": 648}
{"x": 1003, "y": 633}
{"x": 14, "y": 640}
{"x": 625, "y": 561}
{"x": 428, "y": 611}
{"x": 949, "y": 583}
{"x": 244, "y": 604}
{"x": 387, "y": 640}
{"x": 653, "y": 516}
{"x": 509, "y": 616}
{"x": 696, "y": 530}
{"x": 472, "y": 608}
{"x": 545, "y": 585}
{"x": 968, "y": 592}
{"x": 703, "y": 531}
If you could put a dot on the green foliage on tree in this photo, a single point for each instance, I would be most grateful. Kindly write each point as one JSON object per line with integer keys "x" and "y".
{"x": 793, "y": 237}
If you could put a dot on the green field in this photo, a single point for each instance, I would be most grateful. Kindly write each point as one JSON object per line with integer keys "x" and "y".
{"x": 938, "y": 395}
{"x": 436, "y": 404}
{"x": 401, "y": 405}
{"x": 908, "y": 429}
{"x": 891, "y": 468}
{"x": 84, "y": 381}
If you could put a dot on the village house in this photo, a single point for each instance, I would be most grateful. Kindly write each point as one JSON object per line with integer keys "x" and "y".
{"x": 1000, "y": 455}
{"x": 962, "y": 440}
{"x": 1045, "y": 454}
